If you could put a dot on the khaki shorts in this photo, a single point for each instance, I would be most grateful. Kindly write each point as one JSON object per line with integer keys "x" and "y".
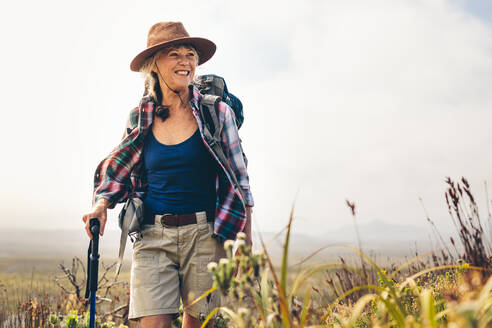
{"x": 170, "y": 263}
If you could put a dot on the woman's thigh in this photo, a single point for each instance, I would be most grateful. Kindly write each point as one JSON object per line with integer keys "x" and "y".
{"x": 199, "y": 249}
{"x": 154, "y": 281}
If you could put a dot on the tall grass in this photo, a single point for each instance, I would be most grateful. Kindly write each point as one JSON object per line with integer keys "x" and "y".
{"x": 459, "y": 296}
{"x": 465, "y": 215}
{"x": 446, "y": 295}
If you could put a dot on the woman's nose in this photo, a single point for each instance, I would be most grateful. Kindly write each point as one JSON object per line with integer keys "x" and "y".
{"x": 184, "y": 59}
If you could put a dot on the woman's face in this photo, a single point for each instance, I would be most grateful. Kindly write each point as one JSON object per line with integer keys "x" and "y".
{"x": 177, "y": 66}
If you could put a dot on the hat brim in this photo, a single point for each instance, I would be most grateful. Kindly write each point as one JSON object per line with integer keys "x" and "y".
{"x": 204, "y": 47}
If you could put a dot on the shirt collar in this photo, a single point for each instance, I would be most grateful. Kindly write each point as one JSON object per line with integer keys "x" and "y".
{"x": 195, "y": 98}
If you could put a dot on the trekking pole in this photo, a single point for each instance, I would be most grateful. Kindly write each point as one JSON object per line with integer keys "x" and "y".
{"x": 92, "y": 270}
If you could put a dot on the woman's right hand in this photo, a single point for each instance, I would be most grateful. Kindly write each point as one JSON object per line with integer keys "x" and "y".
{"x": 99, "y": 211}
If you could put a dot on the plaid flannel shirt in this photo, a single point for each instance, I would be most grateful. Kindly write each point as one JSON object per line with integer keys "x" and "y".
{"x": 120, "y": 175}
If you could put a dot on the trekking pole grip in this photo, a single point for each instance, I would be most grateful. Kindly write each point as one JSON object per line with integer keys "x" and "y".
{"x": 94, "y": 226}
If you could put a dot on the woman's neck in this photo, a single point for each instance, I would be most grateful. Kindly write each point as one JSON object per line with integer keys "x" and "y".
{"x": 175, "y": 100}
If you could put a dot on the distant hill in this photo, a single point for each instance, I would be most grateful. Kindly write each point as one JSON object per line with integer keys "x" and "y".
{"x": 376, "y": 236}
{"x": 54, "y": 243}
{"x": 380, "y": 232}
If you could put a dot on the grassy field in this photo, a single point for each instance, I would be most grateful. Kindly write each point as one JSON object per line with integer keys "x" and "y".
{"x": 314, "y": 294}
{"x": 448, "y": 287}
{"x": 32, "y": 289}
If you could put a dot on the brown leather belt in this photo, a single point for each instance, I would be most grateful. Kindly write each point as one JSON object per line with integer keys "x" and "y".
{"x": 175, "y": 220}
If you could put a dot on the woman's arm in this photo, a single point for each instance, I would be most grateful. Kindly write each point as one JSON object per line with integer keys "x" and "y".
{"x": 112, "y": 174}
{"x": 231, "y": 144}
{"x": 110, "y": 186}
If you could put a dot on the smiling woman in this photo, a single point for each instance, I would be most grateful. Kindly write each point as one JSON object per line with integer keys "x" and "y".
{"x": 168, "y": 59}
{"x": 189, "y": 203}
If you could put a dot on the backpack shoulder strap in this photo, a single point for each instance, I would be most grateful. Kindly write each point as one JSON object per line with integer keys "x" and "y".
{"x": 209, "y": 106}
{"x": 209, "y": 110}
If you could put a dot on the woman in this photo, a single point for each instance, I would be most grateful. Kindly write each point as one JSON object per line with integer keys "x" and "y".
{"x": 190, "y": 203}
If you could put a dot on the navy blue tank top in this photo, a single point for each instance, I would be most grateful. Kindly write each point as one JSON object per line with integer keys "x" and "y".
{"x": 181, "y": 177}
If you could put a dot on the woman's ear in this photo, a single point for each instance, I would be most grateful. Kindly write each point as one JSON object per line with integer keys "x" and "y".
{"x": 154, "y": 63}
{"x": 153, "y": 67}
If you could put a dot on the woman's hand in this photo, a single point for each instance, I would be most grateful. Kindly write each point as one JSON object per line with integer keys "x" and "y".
{"x": 99, "y": 211}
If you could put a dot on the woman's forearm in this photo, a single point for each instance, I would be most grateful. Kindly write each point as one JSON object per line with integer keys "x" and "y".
{"x": 102, "y": 203}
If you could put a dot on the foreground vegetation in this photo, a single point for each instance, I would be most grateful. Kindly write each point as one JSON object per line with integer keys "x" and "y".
{"x": 449, "y": 287}
{"x": 443, "y": 296}
{"x": 50, "y": 298}
{"x": 455, "y": 292}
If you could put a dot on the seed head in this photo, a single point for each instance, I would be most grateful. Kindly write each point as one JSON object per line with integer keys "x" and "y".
{"x": 241, "y": 236}
{"x": 228, "y": 244}
{"x": 241, "y": 243}
{"x": 212, "y": 266}
{"x": 243, "y": 312}
{"x": 223, "y": 262}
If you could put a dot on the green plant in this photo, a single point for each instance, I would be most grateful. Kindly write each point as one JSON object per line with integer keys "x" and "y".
{"x": 426, "y": 298}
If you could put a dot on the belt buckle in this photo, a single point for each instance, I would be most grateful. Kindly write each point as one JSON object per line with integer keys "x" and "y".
{"x": 162, "y": 219}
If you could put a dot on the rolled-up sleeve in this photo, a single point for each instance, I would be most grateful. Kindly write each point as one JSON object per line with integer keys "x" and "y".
{"x": 106, "y": 186}
{"x": 112, "y": 176}
{"x": 234, "y": 152}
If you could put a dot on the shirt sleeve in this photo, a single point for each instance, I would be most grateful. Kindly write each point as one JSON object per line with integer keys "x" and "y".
{"x": 106, "y": 186}
{"x": 235, "y": 153}
{"x": 111, "y": 179}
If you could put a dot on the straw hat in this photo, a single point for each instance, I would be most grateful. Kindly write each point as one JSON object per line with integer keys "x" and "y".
{"x": 165, "y": 34}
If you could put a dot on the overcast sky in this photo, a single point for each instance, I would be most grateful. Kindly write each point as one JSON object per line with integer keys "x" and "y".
{"x": 375, "y": 101}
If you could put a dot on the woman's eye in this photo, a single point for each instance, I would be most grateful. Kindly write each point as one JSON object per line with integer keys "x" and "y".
{"x": 173, "y": 54}
{"x": 191, "y": 54}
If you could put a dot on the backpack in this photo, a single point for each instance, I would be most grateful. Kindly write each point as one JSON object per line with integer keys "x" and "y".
{"x": 214, "y": 90}
{"x": 216, "y": 86}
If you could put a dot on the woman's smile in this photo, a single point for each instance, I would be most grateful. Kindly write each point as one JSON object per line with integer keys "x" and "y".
{"x": 177, "y": 66}
{"x": 182, "y": 72}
